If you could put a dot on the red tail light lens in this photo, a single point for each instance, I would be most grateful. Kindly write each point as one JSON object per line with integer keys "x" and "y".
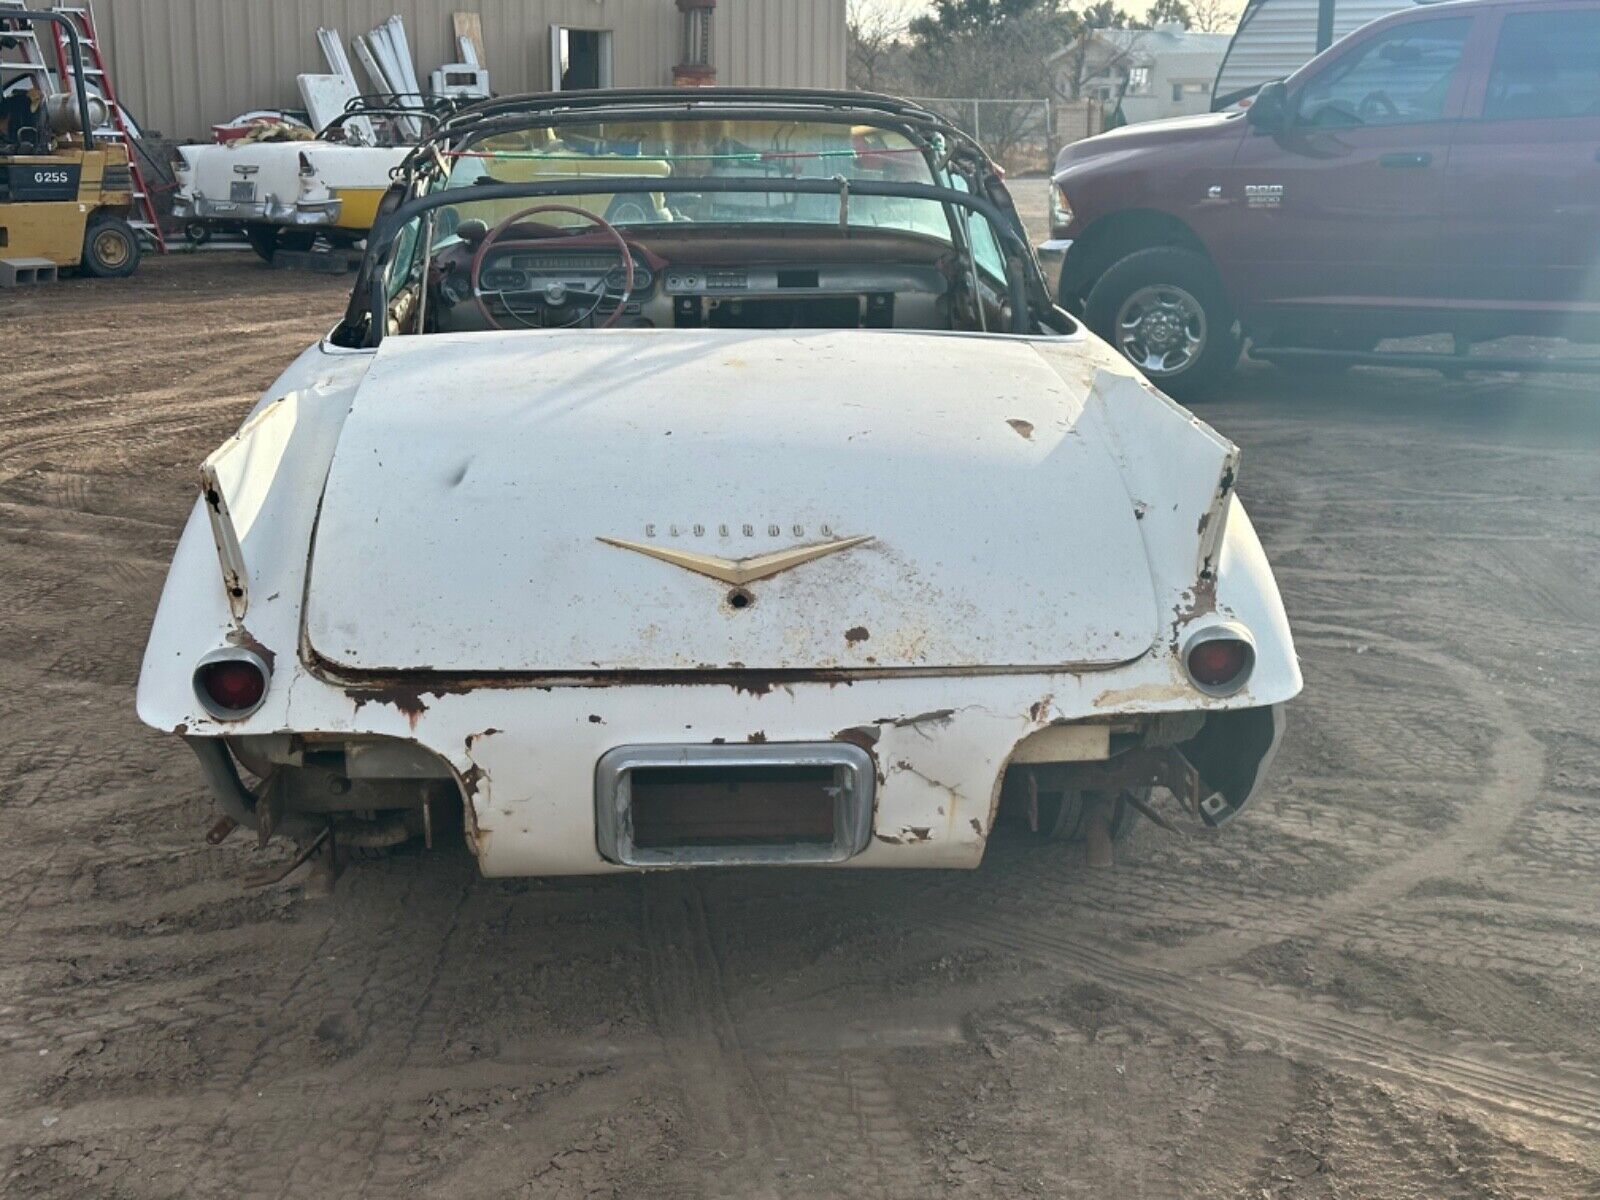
{"x": 231, "y": 684}
{"x": 1220, "y": 660}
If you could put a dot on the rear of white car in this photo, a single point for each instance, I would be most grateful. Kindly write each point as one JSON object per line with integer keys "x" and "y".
{"x": 525, "y": 567}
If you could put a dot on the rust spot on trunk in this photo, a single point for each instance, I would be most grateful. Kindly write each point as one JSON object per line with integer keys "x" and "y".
{"x": 865, "y": 736}
{"x": 758, "y": 737}
{"x": 857, "y": 635}
{"x": 594, "y": 719}
{"x": 1024, "y": 428}
{"x": 939, "y": 716}
{"x": 977, "y": 826}
{"x": 407, "y": 699}
{"x": 382, "y": 686}
{"x": 1198, "y": 601}
{"x": 246, "y": 640}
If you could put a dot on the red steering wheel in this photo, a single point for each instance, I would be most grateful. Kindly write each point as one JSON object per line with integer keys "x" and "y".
{"x": 600, "y": 223}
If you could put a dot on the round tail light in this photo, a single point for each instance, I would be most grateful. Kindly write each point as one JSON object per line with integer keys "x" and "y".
{"x": 231, "y": 684}
{"x": 1219, "y": 659}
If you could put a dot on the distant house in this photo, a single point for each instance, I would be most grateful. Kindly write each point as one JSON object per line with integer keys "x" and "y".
{"x": 1162, "y": 72}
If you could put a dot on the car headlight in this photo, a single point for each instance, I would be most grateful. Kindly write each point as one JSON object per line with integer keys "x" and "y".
{"x": 1060, "y": 208}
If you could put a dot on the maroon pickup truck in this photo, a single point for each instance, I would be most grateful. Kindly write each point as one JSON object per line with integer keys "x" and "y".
{"x": 1437, "y": 171}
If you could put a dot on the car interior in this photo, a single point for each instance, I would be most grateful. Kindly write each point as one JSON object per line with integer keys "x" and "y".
{"x": 625, "y": 255}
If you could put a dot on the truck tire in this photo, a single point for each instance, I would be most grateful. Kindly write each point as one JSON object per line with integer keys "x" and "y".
{"x": 267, "y": 240}
{"x": 110, "y": 247}
{"x": 1164, "y": 310}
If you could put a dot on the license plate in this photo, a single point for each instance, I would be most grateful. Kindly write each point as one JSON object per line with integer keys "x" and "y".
{"x": 242, "y": 192}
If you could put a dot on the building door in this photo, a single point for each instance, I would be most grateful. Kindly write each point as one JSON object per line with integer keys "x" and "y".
{"x": 580, "y": 59}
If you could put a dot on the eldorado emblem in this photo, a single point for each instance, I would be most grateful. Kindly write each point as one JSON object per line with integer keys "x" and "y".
{"x": 739, "y": 571}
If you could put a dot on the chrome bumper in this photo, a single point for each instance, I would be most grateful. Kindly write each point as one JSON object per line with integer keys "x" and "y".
{"x": 270, "y": 211}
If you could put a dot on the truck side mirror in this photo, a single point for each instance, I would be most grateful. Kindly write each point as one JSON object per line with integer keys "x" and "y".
{"x": 1269, "y": 111}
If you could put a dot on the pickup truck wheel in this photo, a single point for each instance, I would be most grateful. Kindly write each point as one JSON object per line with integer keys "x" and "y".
{"x": 1165, "y": 312}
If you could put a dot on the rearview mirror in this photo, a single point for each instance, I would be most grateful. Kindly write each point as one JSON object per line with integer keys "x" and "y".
{"x": 1269, "y": 111}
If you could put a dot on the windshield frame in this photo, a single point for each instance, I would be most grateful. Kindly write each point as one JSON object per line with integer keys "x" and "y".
{"x": 948, "y": 153}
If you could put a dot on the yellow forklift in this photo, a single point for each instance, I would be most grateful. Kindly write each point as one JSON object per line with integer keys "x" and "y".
{"x": 65, "y": 196}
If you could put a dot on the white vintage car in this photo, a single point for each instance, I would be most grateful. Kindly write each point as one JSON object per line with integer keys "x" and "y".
{"x": 760, "y": 510}
{"x": 282, "y": 193}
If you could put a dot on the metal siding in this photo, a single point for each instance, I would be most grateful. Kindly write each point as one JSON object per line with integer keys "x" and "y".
{"x": 182, "y": 65}
{"x": 1281, "y": 37}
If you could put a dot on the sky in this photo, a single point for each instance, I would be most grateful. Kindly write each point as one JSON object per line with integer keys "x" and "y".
{"x": 913, "y": 7}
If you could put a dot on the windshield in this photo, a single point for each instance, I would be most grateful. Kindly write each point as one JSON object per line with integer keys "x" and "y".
{"x": 703, "y": 219}
{"x": 765, "y": 150}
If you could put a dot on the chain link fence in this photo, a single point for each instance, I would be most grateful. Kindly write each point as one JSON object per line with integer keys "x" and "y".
{"x": 1021, "y": 135}
{"x": 1017, "y": 134}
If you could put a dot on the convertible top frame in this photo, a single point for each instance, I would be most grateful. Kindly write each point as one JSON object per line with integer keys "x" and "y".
{"x": 1027, "y": 291}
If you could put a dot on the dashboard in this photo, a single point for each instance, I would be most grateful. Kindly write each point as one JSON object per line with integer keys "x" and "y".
{"x": 539, "y": 287}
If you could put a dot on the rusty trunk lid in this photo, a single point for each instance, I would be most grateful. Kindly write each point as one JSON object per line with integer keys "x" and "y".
{"x": 647, "y": 501}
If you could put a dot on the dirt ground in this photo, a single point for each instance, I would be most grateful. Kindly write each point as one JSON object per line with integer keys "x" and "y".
{"x": 1383, "y": 981}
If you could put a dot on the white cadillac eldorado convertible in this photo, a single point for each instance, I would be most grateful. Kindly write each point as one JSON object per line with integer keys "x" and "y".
{"x": 709, "y": 479}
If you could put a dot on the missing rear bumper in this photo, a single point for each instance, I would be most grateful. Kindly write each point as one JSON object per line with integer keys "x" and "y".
{"x": 694, "y": 805}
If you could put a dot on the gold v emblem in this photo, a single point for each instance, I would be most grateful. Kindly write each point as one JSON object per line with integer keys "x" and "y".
{"x": 738, "y": 571}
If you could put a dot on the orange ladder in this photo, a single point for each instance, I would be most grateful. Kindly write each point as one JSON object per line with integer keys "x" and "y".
{"x": 98, "y": 79}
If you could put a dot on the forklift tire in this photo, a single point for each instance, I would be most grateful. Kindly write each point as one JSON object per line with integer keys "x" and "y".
{"x": 110, "y": 248}
{"x": 197, "y": 233}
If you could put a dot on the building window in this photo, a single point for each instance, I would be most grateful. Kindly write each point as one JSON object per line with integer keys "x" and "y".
{"x": 1138, "y": 80}
{"x": 580, "y": 59}
{"x": 1177, "y": 93}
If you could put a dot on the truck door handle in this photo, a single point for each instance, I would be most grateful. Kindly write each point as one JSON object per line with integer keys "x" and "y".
{"x": 1420, "y": 158}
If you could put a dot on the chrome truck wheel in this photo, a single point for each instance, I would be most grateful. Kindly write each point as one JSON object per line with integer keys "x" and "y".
{"x": 1161, "y": 329}
{"x": 1165, "y": 311}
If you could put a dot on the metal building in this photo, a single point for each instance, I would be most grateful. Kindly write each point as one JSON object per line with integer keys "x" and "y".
{"x": 182, "y": 65}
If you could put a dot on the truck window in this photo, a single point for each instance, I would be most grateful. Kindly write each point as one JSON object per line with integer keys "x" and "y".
{"x": 1546, "y": 65}
{"x": 1397, "y": 78}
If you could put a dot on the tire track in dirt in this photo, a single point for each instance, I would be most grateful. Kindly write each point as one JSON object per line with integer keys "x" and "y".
{"x": 1510, "y": 787}
{"x": 1484, "y": 1075}
{"x": 700, "y": 1038}
{"x": 150, "y": 411}
{"x": 790, "y": 1111}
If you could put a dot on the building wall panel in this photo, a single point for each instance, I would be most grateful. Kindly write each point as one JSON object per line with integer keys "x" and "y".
{"x": 182, "y": 65}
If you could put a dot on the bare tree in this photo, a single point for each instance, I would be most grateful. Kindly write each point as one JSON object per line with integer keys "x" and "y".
{"x": 877, "y": 50}
{"x": 1090, "y": 56}
{"x": 1213, "y": 16}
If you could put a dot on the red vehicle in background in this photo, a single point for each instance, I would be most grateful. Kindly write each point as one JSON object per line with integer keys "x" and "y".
{"x": 1437, "y": 171}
